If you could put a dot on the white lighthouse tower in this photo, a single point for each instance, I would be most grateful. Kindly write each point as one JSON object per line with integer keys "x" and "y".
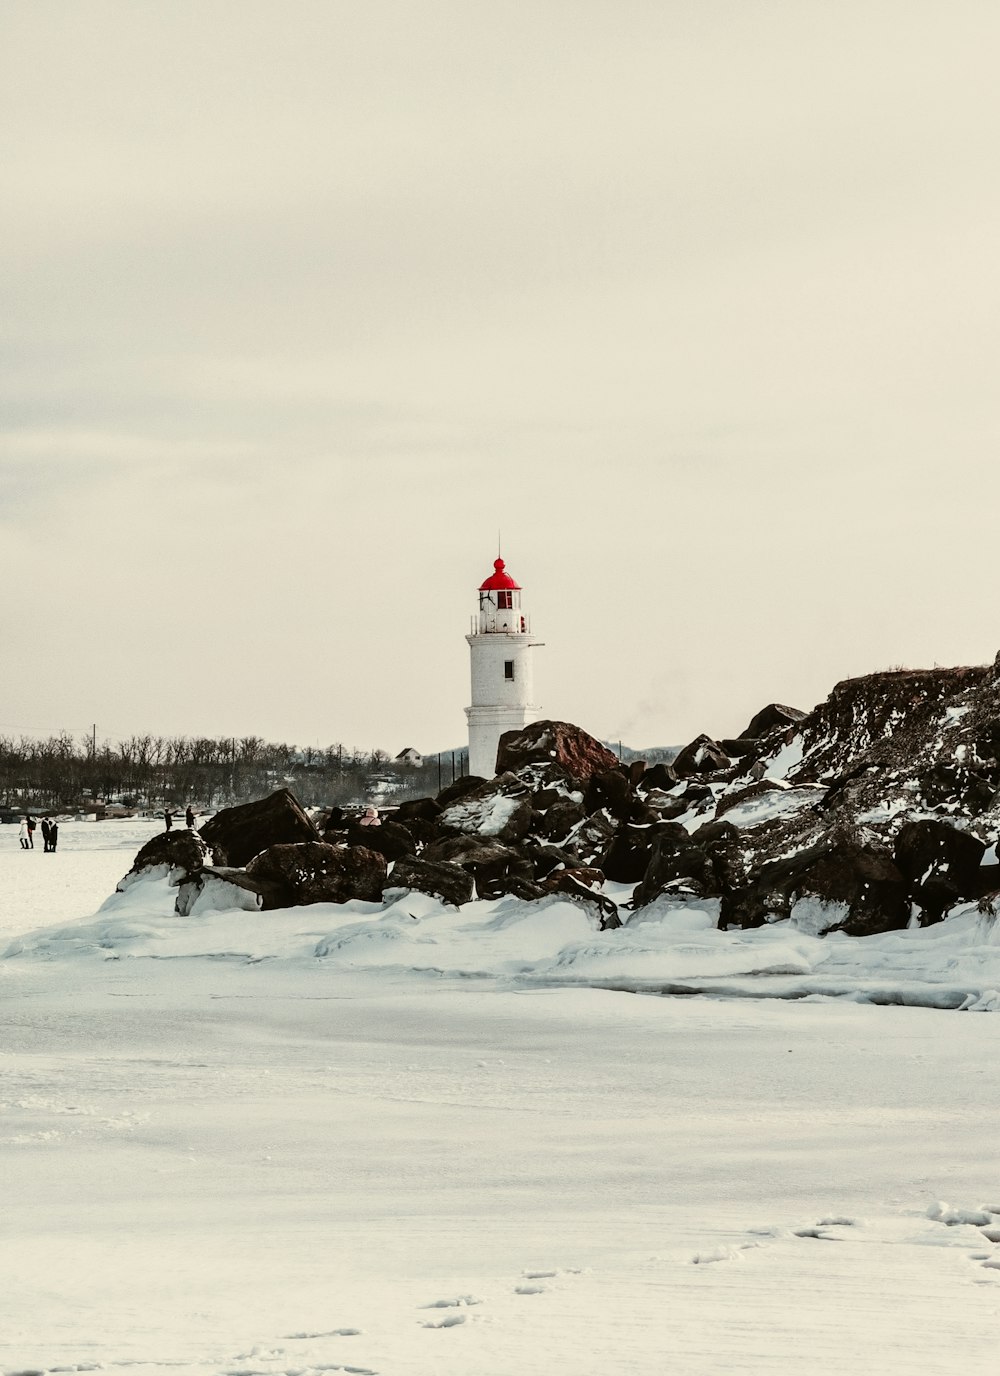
{"x": 502, "y": 683}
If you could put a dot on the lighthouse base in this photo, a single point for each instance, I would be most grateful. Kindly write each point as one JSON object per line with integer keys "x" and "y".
{"x": 486, "y": 726}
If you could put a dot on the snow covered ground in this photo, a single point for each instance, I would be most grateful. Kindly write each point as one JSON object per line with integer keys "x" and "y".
{"x": 417, "y": 1142}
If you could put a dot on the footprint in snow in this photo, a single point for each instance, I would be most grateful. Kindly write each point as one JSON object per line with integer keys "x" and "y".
{"x": 529, "y": 1289}
{"x": 458, "y": 1302}
{"x": 449, "y": 1321}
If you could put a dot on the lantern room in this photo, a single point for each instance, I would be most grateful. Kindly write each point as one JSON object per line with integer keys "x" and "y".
{"x": 500, "y": 605}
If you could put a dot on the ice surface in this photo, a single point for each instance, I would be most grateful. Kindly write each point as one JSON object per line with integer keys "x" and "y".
{"x": 283, "y": 1162}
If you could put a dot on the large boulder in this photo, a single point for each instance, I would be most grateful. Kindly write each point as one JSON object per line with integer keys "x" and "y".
{"x": 702, "y": 756}
{"x": 220, "y": 889}
{"x": 775, "y": 714}
{"x": 184, "y": 851}
{"x": 560, "y": 818}
{"x": 313, "y": 872}
{"x": 491, "y": 863}
{"x": 418, "y": 809}
{"x": 391, "y": 839}
{"x": 579, "y": 753}
{"x": 940, "y": 863}
{"x": 458, "y": 788}
{"x": 500, "y": 808}
{"x": 673, "y": 855}
{"x": 444, "y": 880}
{"x": 237, "y": 834}
{"x": 610, "y": 789}
{"x": 855, "y": 882}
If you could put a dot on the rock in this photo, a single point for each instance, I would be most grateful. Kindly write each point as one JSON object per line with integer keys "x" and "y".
{"x": 661, "y": 776}
{"x": 424, "y": 809}
{"x": 313, "y": 872}
{"x": 546, "y": 858}
{"x": 941, "y": 864}
{"x": 391, "y": 839}
{"x": 486, "y": 859}
{"x": 671, "y": 855}
{"x": 775, "y": 714}
{"x": 702, "y": 756}
{"x": 560, "y": 819}
{"x": 582, "y": 884}
{"x": 185, "y": 851}
{"x": 444, "y": 880}
{"x": 221, "y": 889}
{"x": 458, "y": 789}
{"x": 237, "y": 834}
{"x": 839, "y": 871}
{"x": 609, "y": 789}
{"x": 591, "y": 838}
{"x": 579, "y": 753}
{"x": 626, "y": 858}
{"x": 499, "y": 808}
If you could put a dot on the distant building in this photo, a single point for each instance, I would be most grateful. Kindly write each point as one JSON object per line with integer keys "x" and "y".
{"x": 410, "y": 758}
{"x": 500, "y": 645}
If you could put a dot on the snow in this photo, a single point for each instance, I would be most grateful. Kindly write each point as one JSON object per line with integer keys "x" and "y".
{"x": 481, "y": 816}
{"x": 418, "y": 1141}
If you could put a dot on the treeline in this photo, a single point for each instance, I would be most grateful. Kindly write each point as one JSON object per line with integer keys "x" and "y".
{"x": 150, "y": 771}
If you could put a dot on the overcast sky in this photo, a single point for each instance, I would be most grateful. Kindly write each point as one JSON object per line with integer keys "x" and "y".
{"x": 697, "y": 303}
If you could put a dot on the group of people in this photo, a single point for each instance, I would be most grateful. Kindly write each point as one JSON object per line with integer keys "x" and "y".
{"x": 50, "y": 832}
{"x": 168, "y": 817}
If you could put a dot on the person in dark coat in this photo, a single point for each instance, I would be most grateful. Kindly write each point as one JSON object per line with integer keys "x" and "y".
{"x": 168, "y": 819}
{"x": 53, "y": 835}
{"x": 45, "y": 833}
{"x": 189, "y": 816}
{"x": 31, "y": 831}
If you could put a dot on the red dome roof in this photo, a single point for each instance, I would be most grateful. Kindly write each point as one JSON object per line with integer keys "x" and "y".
{"x": 499, "y": 578}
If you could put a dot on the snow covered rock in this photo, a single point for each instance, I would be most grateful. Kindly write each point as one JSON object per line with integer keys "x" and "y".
{"x": 493, "y": 865}
{"x": 313, "y": 872}
{"x": 839, "y": 869}
{"x": 441, "y": 879}
{"x": 500, "y": 808}
{"x": 220, "y": 889}
{"x": 702, "y": 756}
{"x": 237, "y": 834}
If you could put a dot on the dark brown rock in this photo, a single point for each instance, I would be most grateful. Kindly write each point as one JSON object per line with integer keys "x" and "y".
{"x": 579, "y": 753}
{"x": 424, "y": 809}
{"x": 702, "y": 756}
{"x": 449, "y": 882}
{"x": 313, "y": 872}
{"x": 661, "y": 776}
{"x": 183, "y": 850}
{"x": 940, "y": 863}
{"x": 391, "y": 839}
{"x": 560, "y": 819}
{"x": 609, "y": 789}
{"x": 484, "y": 858}
{"x": 237, "y": 834}
{"x": 458, "y": 789}
{"x": 775, "y": 714}
{"x": 839, "y": 869}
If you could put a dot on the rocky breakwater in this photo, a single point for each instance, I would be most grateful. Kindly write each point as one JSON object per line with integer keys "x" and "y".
{"x": 874, "y": 811}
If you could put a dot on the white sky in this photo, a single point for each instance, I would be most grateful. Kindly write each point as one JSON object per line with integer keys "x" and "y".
{"x": 697, "y": 302}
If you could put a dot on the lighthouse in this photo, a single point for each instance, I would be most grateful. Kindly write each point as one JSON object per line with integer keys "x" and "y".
{"x": 500, "y": 646}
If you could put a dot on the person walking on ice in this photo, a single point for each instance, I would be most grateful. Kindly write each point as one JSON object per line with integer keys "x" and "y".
{"x": 22, "y": 835}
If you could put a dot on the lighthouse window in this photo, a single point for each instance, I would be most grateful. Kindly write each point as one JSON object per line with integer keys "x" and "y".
{"x": 505, "y": 600}
{"x": 508, "y": 669}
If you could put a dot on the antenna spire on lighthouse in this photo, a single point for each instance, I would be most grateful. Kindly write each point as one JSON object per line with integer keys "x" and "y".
{"x": 500, "y": 646}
